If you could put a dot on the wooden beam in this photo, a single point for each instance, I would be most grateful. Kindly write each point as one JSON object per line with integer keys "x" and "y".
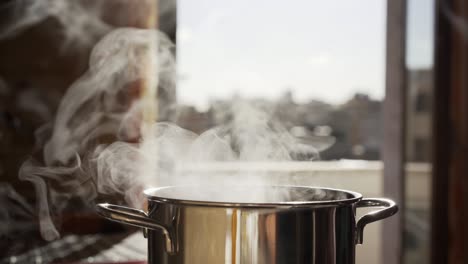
{"x": 450, "y": 174}
{"x": 441, "y": 148}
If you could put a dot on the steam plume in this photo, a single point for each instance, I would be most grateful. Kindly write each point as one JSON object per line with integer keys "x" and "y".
{"x": 247, "y": 134}
{"x": 102, "y": 103}
{"x": 110, "y": 102}
{"x": 79, "y": 20}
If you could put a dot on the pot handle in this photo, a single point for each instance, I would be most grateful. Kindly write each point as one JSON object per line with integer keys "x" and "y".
{"x": 134, "y": 217}
{"x": 389, "y": 209}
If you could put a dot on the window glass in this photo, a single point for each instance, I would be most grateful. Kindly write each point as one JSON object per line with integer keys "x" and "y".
{"x": 320, "y": 64}
{"x": 418, "y": 130}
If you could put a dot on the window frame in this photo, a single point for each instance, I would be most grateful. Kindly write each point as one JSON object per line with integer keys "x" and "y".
{"x": 394, "y": 118}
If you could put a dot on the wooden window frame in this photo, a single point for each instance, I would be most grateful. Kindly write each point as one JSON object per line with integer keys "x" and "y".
{"x": 394, "y": 118}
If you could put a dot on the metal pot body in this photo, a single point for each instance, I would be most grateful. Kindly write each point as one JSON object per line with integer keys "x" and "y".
{"x": 323, "y": 231}
{"x": 245, "y": 235}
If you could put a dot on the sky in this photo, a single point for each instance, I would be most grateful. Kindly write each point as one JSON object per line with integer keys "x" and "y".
{"x": 325, "y": 50}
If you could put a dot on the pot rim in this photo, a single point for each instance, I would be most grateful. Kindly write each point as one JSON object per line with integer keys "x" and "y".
{"x": 151, "y": 195}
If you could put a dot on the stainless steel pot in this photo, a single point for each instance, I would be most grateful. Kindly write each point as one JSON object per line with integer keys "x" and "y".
{"x": 238, "y": 224}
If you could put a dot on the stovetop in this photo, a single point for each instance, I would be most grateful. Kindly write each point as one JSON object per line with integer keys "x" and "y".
{"x": 128, "y": 248}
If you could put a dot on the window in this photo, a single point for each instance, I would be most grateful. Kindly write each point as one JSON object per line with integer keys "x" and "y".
{"x": 317, "y": 66}
{"x": 418, "y": 134}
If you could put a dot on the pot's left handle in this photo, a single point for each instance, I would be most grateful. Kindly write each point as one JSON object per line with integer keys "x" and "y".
{"x": 135, "y": 217}
{"x": 389, "y": 208}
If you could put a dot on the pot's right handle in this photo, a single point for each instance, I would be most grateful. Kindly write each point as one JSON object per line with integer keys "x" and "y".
{"x": 389, "y": 209}
{"x": 135, "y": 217}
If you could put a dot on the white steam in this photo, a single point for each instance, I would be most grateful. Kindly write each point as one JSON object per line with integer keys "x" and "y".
{"x": 104, "y": 141}
{"x": 247, "y": 134}
{"x": 43, "y": 178}
{"x": 103, "y": 105}
{"x": 79, "y": 21}
{"x": 96, "y": 104}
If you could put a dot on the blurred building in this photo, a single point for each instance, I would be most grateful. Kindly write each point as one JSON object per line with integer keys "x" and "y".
{"x": 348, "y": 131}
{"x": 357, "y": 127}
{"x": 419, "y": 109}
{"x": 189, "y": 118}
